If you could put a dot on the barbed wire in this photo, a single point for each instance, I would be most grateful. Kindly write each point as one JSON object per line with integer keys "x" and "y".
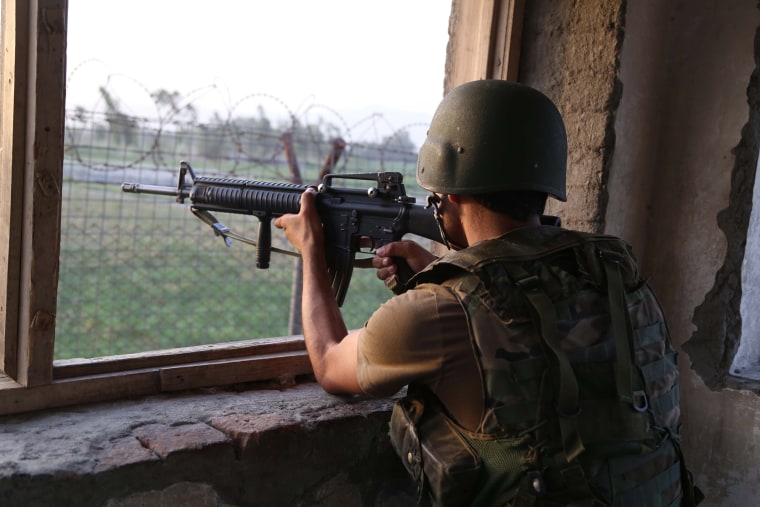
{"x": 249, "y": 124}
{"x": 132, "y": 269}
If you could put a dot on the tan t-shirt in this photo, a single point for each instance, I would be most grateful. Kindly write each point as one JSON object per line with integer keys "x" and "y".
{"x": 422, "y": 336}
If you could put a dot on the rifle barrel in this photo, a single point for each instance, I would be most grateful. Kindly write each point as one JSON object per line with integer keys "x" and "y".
{"x": 142, "y": 188}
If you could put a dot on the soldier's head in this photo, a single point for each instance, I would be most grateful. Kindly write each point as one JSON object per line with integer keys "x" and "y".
{"x": 500, "y": 141}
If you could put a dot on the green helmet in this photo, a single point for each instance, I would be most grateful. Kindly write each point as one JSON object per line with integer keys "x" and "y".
{"x": 493, "y": 135}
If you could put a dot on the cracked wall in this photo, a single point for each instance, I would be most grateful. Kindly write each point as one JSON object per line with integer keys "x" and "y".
{"x": 680, "y": 191}
{"x": 718, "y": 322}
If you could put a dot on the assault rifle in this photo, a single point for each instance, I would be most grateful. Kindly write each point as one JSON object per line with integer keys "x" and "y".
{"x": 351, "y": 217}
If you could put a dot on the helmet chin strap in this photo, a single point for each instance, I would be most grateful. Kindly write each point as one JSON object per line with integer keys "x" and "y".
{"x": 435, "y": 201}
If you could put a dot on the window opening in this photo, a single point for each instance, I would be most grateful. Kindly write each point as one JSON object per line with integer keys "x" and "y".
{"x": 746, "y": 362}
{"x": 140, "y": 273}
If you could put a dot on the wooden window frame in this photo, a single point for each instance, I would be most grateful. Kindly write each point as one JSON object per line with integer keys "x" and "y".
{"x": 485, "y": 41}
{"x": 32, "y": 115}
{"x": 31, "y": 169}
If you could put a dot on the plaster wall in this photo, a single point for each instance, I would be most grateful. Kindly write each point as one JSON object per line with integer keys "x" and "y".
{"x": 680, "y": 191}
{"x": 685, "y": 71}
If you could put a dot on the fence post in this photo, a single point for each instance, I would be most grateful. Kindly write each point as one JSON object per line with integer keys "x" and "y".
{"x": 294, "y": 321}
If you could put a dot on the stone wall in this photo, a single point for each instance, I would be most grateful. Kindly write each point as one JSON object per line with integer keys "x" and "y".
{"x": 259, "y": 447}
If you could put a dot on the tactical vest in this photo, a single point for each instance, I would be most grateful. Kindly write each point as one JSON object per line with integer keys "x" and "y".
{"x": 579, "y": 375}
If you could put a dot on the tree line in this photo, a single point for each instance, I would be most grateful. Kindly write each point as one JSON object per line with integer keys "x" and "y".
{"x": 255, "y": 137}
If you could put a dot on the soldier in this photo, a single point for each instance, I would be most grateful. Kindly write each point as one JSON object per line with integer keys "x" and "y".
{"x": 538, "y": 362}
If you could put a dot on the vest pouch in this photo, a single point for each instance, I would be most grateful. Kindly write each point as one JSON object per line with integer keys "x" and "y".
{"x": 442, "y": 463}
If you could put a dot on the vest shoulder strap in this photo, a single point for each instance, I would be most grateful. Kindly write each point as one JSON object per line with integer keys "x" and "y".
{"x": 529, "y": 244}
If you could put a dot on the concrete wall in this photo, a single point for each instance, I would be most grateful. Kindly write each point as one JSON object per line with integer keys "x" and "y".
{"x": 570, "y": 51}
{"x": 681, "y": 190}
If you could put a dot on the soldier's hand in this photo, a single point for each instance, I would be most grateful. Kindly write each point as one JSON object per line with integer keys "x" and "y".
{"x": 386, "y": 257}
{"x": 304, "y": 230}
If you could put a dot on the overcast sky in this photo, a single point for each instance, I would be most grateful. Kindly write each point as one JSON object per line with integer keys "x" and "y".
{"x": 357, "y": 57}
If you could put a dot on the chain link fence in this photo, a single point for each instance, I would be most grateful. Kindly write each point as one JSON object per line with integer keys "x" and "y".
{"x": 140, "y": 272}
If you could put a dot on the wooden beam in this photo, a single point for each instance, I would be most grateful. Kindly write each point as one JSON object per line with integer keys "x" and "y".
{"x": 236, "y": 371}
{"x": 15, "y": 398}
{"x": 470, "y": 40}
{"x": 13, "y": 115}
{"x": 72, "y": 368}
{"x": 504, "y": 54}
{"x": 43, "y": 175}
{"x": 485, "y": 40}
{"x": 70, "y": 392}
{"x": 78, "y": 381}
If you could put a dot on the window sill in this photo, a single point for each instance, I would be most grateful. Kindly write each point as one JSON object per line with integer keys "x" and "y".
{"x": 78, "y": 381}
